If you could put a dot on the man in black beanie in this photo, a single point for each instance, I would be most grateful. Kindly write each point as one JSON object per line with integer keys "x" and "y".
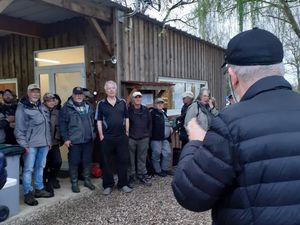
{"x": 246, "y": 167}
{"x": 76, "y": 120}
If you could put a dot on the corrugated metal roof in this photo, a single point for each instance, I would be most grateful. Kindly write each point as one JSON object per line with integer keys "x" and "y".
{"x": 37, "y": 11}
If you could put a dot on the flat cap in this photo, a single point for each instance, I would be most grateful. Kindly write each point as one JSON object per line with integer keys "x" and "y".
{"x": 254, "y": 47}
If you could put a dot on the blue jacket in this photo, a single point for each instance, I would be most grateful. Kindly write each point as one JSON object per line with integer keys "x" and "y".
{"x": 247, "y": 168}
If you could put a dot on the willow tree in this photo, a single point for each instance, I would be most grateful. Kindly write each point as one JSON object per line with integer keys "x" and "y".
{"x": 244, "y": 11}
{"x": 281, "y": 17}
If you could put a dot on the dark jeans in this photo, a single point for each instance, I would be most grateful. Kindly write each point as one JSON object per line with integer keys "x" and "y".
{"x": 81, "y": 153}
{"x": 115, "y": 147}
{"x": 53, "y": 164}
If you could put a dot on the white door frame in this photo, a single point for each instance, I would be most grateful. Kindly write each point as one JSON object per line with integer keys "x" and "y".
{"x": 52, "y": 70}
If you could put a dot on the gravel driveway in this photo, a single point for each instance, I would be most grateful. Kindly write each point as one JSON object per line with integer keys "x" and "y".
{"x": 145, "y": 205}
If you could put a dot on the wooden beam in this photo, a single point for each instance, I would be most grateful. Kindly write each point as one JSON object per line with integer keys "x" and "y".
{"x": 100, "y": 32}
{"x": 85, "y": 8}
{"x": 4, "y": 4}
{"x": 19, "y": 26}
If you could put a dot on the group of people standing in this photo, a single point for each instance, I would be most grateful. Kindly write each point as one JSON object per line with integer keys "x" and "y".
{"x": 41, "y": 125}
{"x": 126, "y": 132}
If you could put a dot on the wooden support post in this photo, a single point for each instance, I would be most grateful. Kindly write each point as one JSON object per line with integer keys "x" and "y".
{"x": 101, "y": 34}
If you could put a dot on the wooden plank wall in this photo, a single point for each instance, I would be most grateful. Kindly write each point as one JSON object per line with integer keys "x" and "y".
{"x": 17, "y": 59}
{"x": 147, "y": 54}
{"x": 143, "y": 53}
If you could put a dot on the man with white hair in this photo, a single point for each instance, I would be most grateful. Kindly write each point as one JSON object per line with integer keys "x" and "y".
{"x": 202, "y": 109}
{"x": 187, "y": 98}
{"x": 113, "y": 127}
{"x": 246, "y": 167}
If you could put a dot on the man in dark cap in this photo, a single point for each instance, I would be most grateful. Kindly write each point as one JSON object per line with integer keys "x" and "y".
{"x": 76, "y": 120}
{"x": 246, "y": 167}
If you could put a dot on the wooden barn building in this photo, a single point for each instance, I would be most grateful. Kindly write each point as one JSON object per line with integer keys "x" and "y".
{"x": 65, "y": 43}
{"x": 61, "y": 44}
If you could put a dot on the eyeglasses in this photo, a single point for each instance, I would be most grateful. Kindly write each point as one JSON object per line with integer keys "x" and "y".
{"x": 138, "y": 96}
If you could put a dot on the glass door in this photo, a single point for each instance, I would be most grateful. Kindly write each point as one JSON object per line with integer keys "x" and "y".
{"x": 59, "y": 71}
{"x": 65, "y": 82}
{"x": 60, "y": 80}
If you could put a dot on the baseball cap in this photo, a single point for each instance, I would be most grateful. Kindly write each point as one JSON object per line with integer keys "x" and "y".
{"x": 188, "y": 94}
{"x": 47, "y": 96}
{"x": 77, "y": 90}
{"x": 159, "y": 100}
{"x": 33, "y": 86}
{"x": 136, "y": 93}
{"x": 254, "y": 47}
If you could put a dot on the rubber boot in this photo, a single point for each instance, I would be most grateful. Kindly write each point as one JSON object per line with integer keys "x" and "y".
{"x": 74, "y": 179}
{"x": 87, "y": 179}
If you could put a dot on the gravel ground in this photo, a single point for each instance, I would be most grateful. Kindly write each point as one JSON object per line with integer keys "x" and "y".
{"x": 145, "y": 205}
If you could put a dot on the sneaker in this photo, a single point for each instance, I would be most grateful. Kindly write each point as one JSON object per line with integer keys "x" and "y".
{"x": 42, "y": 193}
{"x": 162, "y": 174}
{"x": 145, "y": 181}
{"x": 107, "y": 191}
{"x": 126, "y": 189}
{"x": 148, "y": 177}
{"x": 30, "y": 200}
{"x": 131, "y": 181}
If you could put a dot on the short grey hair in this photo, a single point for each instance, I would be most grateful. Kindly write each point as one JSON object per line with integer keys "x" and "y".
{"x": 110, "y": 82}
{"x": 202, "y": 90}
{"x": 254, "y": 73}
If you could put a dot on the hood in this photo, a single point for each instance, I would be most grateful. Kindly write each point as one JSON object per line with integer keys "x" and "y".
{"x": 25, "y": 101}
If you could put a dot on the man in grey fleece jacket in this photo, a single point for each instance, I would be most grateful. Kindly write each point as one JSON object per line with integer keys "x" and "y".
{"x": 202, "y": 109}
{"x": 32, "y": 132}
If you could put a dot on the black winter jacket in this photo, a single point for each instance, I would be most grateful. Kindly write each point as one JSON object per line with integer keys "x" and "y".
{"x": 140, "y": 122}
{"x": 70, "y": 123}
{"x": 158, "y": 125}
{"x": 247, "y": 170}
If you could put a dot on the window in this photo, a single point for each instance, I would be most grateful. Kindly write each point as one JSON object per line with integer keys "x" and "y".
{"x": 182, "y": 85}
{"x": 65, "y": 56}
{"x": 10, "y": 84}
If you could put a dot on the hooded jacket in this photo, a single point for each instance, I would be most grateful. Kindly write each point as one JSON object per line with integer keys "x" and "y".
{"x": 247, "y": 168}
{"x": 70, "y": 123}
{"x": 32, "y": 127}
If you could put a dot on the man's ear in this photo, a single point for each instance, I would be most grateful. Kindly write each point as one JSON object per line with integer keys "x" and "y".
{"x": 233, "y": 77}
